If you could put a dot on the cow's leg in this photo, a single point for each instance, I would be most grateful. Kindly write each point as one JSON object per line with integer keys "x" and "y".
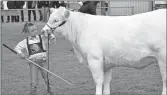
{"x": 107, "y": 80}
{"x": 162, "y": 65}
{"x": 96, "y": 68}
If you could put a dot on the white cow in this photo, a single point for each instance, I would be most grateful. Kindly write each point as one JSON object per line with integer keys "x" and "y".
{"x": 105, "y": 42}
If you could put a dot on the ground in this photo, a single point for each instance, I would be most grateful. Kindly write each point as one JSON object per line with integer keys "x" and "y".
{"x": 63, "y": 62}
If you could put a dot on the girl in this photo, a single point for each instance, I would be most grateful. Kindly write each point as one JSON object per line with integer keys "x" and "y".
{"x": 35, "y": 46}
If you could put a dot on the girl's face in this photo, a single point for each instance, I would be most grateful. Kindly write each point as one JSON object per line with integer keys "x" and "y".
{"x": 33, "y": 31}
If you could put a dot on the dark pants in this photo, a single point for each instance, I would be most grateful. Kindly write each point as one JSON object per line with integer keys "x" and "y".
{"x": 40, "y": 14}
{"x": 17, "y": 18}
{"x": 2, "y": 20}
{"x": 34, "y": 73}
{"x": 45, "y": 14}
{"x": 29, "y": 15}
{"x": 22, "y": 16}
{"x": 13, "y": 18}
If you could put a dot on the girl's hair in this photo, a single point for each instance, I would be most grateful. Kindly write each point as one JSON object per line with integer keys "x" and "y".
{"x": 26, "y": 26}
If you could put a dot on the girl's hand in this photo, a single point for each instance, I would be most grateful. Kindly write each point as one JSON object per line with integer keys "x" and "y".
{"x": 52, "y": 38}
{"x": 22, "y": 55}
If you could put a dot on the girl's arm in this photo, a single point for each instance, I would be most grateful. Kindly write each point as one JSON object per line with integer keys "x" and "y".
{"x": 19, "y": 47}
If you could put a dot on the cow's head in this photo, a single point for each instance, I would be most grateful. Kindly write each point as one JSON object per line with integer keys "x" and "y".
{"x": 57, "y": 19}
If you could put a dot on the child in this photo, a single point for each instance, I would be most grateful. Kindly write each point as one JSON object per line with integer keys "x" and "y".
{"x": 35, "y": 46}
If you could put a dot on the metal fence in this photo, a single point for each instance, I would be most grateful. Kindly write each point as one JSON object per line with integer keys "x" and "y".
{"x": 17, "y": 12}
{"x": 117, "y": 11}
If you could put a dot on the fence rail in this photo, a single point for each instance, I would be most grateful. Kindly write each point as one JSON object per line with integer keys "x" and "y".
{"x": 121, "y": 11}
{"x": 6, "y": 12}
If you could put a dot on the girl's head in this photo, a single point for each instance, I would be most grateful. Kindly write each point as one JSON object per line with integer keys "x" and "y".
{"x": 30, "y": 29}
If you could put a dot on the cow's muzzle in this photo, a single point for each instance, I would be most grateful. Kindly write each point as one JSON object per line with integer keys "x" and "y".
{"x": 48, "y": 30}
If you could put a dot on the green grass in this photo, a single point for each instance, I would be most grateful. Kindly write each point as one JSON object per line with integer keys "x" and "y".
{"x": 63, "y": 62}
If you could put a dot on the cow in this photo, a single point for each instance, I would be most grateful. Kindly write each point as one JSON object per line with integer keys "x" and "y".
{"x": 105, "y": 42}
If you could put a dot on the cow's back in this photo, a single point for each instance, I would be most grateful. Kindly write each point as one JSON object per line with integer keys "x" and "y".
{"x": 128, "y": 36}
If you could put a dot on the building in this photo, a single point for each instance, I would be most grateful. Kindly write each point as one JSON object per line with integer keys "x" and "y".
{"x": 160, "y": 4}
{"x": 131, "y": 7}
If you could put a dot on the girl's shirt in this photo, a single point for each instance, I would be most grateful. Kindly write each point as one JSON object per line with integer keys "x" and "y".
{"x": 32, "y": 41}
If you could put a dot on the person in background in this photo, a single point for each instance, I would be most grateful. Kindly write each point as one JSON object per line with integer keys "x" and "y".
{"x": 11, "y": 5}
{"x": 39, "y": 6}
{"x": 2, "y": 7}
{"x": 45, "y": 6}
{"x": 89, "y": 7}
{"x": 57, "y": 4}
{"x": 19, "y": 5}
{"x": 80, "y": 3}
{"x": 35, "y": 45}
{"x": 54, "y": 4}
{"x": 104, "y": 10}
{"x": 31, "y": 5}
{"x": 63, "y": 4}
{"x": 106, "y": 5}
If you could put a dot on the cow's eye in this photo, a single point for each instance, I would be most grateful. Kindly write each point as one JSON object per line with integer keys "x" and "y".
{"x": 56, "y": 20}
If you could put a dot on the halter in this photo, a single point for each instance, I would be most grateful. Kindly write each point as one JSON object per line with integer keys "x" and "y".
{"x": 53, "y": 28}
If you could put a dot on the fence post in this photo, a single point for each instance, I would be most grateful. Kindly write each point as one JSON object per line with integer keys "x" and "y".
{"x": 43, "y": 13}
{"x": 133, "y": 10}
{"x": 103, "y": 11}
{"x": 153, "y": 5}
{"x": 109, "y": 8}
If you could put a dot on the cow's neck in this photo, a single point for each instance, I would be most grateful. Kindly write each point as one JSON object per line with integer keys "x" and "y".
{"x": 74, "y": 23}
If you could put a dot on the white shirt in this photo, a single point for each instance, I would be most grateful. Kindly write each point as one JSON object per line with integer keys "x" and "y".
{"x": 80, "y": 3}
{"x": 23, "y": 45}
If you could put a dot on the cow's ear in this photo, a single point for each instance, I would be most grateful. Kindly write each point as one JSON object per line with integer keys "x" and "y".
{"x": 52, "y": 9}
{"x": 66, "y": 13}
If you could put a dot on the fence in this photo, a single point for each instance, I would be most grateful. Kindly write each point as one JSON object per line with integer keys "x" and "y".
{"x": 17, "y": 12}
